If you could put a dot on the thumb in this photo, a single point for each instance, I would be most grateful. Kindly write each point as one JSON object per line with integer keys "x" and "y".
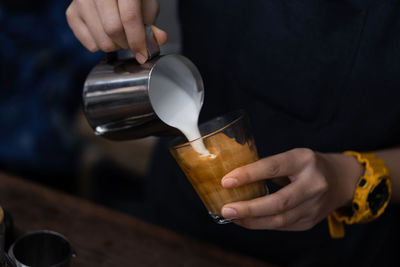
{"x": 160, "y": 35}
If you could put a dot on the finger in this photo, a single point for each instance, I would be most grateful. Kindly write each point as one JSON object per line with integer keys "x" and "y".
{"x": 285, "y": 164}
{"x": 298, "y": 219}
{"x": 160, "y": 35}
{"x": 279, "y": 202}
{"x": 91, "y": 18}
{"x": 150, "y": 9}
{"x": 79, "y": 29}
{"x": 132, "y": 21}
{"x": 111, "y": 21}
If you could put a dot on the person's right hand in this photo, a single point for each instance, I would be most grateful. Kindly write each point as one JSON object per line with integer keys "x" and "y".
{"x": 111, "y": 25}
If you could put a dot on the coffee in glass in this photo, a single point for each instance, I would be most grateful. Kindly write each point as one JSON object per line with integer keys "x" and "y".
{"x": 231, "y": 145}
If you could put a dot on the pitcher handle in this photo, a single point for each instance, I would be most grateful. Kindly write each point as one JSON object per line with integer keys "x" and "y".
{"x": 153, "y": 49}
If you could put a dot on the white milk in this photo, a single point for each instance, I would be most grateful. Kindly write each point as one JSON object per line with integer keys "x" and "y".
{"x": 178, "y": 105}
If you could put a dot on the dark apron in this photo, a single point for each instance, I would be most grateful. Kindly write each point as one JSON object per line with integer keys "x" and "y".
{"x": 318, "y": 74}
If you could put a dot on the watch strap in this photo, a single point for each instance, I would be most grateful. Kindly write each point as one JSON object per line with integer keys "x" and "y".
{"x": 336, "y": 228}
{"x": 375, "y": 173}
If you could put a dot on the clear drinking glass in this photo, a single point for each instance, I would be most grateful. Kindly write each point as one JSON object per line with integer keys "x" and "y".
{"x": 231, "y": 144}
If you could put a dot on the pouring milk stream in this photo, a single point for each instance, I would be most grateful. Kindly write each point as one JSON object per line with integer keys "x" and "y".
{"x": 179, "y": 107}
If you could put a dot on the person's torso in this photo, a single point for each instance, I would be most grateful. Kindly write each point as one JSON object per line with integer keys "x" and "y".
{"x": 317, "y": 74}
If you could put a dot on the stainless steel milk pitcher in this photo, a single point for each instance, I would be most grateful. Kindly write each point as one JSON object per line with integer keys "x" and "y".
{"x": 119, "y": 93}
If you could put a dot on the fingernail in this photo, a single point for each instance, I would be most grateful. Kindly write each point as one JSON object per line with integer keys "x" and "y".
{"x": 228, "y": 212}
{"x": 229, "y": 182}
{"x": 140, "y": 58}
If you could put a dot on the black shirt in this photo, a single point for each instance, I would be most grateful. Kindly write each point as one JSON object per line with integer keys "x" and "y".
{"x": 317, "y": 74}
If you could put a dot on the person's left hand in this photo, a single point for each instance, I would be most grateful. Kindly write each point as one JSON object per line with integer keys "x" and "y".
{"x": 316, "y": 184}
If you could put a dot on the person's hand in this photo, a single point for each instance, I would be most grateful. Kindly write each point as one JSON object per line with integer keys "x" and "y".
{"x": 111, "y": 25}
{"x": 316, "y": 184}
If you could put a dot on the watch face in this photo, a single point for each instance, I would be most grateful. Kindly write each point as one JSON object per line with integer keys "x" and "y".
{"x": 378, "y": 197}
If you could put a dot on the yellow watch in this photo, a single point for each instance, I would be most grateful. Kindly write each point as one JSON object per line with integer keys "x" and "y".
{"x": 370, "y": 199}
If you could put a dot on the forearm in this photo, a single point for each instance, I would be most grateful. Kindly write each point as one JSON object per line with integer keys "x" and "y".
{"x": 392, "y": 161}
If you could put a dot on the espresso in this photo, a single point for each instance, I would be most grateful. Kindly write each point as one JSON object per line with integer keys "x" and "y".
{"x": 205, "y": 172}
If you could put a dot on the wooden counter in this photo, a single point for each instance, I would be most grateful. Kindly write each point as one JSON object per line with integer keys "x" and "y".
{"x": 102, "y": 237}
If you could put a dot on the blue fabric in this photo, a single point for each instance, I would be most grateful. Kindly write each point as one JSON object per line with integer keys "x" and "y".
{"x": 43, "y": 68}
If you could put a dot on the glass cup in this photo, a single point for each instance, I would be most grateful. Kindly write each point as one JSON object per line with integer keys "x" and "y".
{"x": 231, "y": 145}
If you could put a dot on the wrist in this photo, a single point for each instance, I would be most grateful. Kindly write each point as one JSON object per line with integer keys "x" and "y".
{"x": 347, "y": 170}
{"x": 355, "y": 171}
{"x": 371, "y": 194}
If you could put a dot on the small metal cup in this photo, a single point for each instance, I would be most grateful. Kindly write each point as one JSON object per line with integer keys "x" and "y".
{"x": 42, "y": 248}
{"x": 118, "y": 95}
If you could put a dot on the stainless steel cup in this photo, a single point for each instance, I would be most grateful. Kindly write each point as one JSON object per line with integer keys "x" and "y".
{"x": 118, "y": 93}
{"x": 42, "y": 248}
